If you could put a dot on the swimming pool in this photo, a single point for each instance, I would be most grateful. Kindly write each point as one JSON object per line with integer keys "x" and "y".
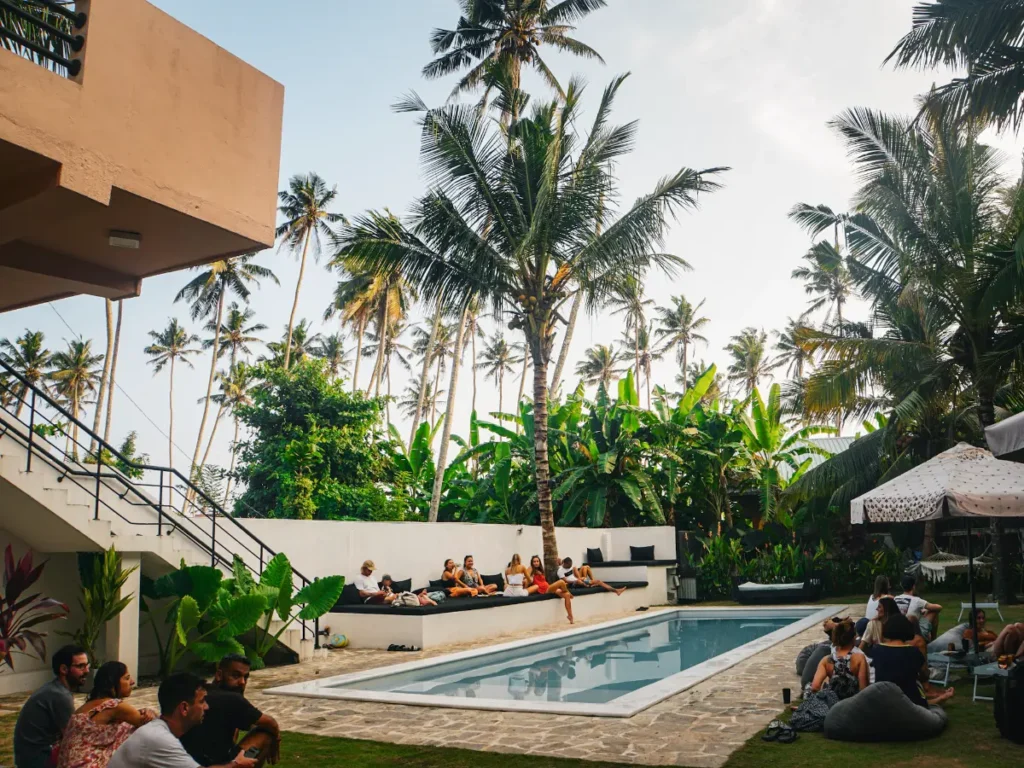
{"x": 614, "y": 669}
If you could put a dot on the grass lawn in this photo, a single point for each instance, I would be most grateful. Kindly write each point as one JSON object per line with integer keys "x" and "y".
{"x": 970, "y": 741}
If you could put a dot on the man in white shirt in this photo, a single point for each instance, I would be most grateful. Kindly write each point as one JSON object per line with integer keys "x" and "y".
{"x": 156, "y": 744}
{"x": 917, "y": 609}
{"x": 369, "y": 590}
{"x": 583, "y": 577}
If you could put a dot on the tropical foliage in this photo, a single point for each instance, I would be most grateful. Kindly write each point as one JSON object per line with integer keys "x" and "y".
{"x": 102, "y": 579}
{"x": 22, "y": 611}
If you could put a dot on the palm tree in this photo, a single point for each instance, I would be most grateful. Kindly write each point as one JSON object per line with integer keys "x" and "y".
{"x": 496, "y": 38}
{"x": 442, "y": 348}
{"x": 628, "y": 296}
{"x": 28, "y": 356}
{"x": 933, "y": 246}
{"x": 426, "y": 353}
{"x": 499, "y": 357}
{"x": 331, "y": 348}
{"x": 645, "y": 352}
{"x": 302, "y": 344}
{"x": 600, "y": 364}
{"x": 826, "y": 278}
{"x": 74, "y": 376}
{"x": 113, "y": 371}
{"x": 207, "y": 292}
{"x": 680, "y": 325}
{"x": 415, "y": 394}
{"x": 354, "y": 302}
{"x": 306, "y": 220}
{"x": 108, "y": 307}
{"x": 511, "y": 218}
{"x": 392, "y": 348}
{"x": 982, "y": 36}
{"x": 750, "y": 362}
{"x": 237, "y": 332}
{"x": 686, "y": 379}
{"x": 793, "y": 348}
{"x": 171, "y": 344}
{"x": 235, "y": 387}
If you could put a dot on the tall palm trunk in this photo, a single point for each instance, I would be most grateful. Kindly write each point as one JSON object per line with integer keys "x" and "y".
{"x": 522, "y": 386}
{"x": 839, "y": 316}
{"x": 449, "y": 417}
{"x": 501, "y": 392}
{"x": 209, "y": 380}
{"x": 113, "y": 372}
{"x": 170, "y": 420}
{"x": 540, "y": 454}
{"x": 100, "y": 397}
{"x": 433, "y": 399}
{"x": 295, "y": 303}
{"x": 234, "y": 454}
{"x": 388, "y": 406}
{"x": 74, "y": 431}
{"x": 213, "y": 433}
{"x": 359, "y": 351}
{"x": 563, "y": 354}
{"x": 647, "y": 382}
{"x": 424, "y": 370}
{"x": 685, "y": 358}
{"x": 472, "y": 330}
{"x": 378, "y": 364}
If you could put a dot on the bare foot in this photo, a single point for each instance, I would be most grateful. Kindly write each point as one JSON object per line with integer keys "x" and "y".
{"x": 620, "y": 590}
{"x": 571, "y": 620}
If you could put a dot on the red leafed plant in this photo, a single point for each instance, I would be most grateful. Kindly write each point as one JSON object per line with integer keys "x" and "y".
{"x": 20, "y": 612}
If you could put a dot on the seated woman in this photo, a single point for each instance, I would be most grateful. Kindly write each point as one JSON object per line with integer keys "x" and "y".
{"x": 845, "y": 669}
{"x": 101, "y": 725}
{"x": 882, "y": 589}
{"x": 538, "y": 584}
{"x": 515, "y": 578}
{"x": 898, "y": 660}
{"x": 452, "y": 585}
{"x": 470, "y": 578}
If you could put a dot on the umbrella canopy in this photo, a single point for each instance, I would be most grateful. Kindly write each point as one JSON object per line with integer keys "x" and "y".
{"x": 964, "y": 481}
{"x": 1006, "y": 438}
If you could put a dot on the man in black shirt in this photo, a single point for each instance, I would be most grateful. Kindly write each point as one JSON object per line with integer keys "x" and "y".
{"x": 215, "y": 741}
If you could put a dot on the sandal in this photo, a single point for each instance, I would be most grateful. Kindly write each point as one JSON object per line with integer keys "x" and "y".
{"x": 787, "y": 735}
{"x": 772, "y": 733}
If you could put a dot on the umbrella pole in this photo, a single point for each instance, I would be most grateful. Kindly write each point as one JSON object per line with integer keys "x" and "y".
{"x": 970, "y": 581}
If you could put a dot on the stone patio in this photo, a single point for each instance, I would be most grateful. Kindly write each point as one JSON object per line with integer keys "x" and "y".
{"x": 698, "y": 727}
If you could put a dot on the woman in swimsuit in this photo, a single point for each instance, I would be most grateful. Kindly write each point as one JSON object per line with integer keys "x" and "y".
{"x": 451, "y": 584}
{"x": 538, "y": 584}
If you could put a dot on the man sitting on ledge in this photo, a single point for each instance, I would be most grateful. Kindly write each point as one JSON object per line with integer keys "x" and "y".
{"x": 583, "y": 577}
{"x": 368, "y": 588}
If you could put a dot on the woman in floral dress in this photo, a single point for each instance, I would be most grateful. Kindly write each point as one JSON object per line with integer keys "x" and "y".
{"x": 102, "y": 724}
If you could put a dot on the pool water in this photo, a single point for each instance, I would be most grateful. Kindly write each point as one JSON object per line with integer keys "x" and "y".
{"x": 590, "y": 667}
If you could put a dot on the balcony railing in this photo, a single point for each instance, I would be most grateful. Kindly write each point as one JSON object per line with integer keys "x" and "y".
{"x": 48, "y": 32}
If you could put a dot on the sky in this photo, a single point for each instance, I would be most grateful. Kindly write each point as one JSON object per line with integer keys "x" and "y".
{"x": 749, "y": 84}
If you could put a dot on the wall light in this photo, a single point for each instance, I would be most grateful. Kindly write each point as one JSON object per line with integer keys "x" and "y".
{"x": 120, "y": 239}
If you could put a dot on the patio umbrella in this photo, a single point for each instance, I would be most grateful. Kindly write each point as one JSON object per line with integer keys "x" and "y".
{"x": 1006, "y": 438}
{"x": 964, "y": 481}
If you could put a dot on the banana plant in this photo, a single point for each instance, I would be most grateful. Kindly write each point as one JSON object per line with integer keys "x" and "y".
{"x": 198, "y": 617}
{"x": 276, "y": 587}
{"x": 102, "y": 580}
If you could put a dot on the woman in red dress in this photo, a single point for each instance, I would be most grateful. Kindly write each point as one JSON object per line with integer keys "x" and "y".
{"x": 538, "y": 584}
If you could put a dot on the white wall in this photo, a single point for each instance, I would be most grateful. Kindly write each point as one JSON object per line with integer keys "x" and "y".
{"x": 418, "y": 550}
{"x": 59, "y": 581}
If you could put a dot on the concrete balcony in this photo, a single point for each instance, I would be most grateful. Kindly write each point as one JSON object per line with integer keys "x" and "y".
{"x": 161, "y": 153}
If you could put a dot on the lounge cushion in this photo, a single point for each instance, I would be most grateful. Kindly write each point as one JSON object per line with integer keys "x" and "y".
{"x": 811, "y": 666}
{"x": 882, "y": 712}
{"x": 349, "y": 596}
{"x": 954, "y": 635}
{"x": 436, "y": 585}
{"x": 804, "y": 655}
{"x": 641, "y": 553}
{"x": 405, "y": 585}
{"x": 496, "y": 579}
{"x": 455, "y": 604}
{"x": 594, "y": 555}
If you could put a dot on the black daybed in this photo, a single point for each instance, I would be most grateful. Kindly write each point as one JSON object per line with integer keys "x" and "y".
{"x": 749, "y": 593}
{"x": 349, "y": 601}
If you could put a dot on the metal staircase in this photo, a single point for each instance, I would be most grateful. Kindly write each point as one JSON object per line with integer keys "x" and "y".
{"x": 50, "y": 456}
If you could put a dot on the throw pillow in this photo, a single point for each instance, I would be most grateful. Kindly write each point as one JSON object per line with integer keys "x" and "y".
{"x": 594, "y": 555}
{"x": 496, "y": 579}
{"x": 641, "y": 553}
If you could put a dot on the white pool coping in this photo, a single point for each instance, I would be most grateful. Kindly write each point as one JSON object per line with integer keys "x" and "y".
{"x": 624, "y": 706}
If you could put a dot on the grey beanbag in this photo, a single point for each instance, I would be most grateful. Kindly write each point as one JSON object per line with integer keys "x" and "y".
{"x": 803, "y": 656}
{"x": 819, "y": 653}
{"x": 954, "y": 635}
{"x": 882, "y": 712}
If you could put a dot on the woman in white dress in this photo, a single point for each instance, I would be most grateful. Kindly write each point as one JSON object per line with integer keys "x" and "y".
{"x": 515, "y": 578}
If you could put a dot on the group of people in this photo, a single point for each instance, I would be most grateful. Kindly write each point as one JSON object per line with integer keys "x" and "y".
{"x": 455, "y": 582}
{"x": 199, "y": 723}
{"x": 892, "y": 642}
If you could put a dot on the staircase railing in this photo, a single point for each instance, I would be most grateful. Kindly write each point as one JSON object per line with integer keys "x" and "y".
{"x": 167, "y": 501}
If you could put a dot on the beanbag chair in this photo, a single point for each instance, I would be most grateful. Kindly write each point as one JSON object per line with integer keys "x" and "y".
{"x": 882, "y": 712}
{"x": 804, "y": 655}
{"x": 954, "y": 635}
{"x": 811, "y": 666}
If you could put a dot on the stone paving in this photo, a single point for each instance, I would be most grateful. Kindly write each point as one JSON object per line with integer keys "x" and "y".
{"x": 701, "y": 726}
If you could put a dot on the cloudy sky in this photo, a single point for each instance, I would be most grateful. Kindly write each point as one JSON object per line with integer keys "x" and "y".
{"x": 749, "y": 84}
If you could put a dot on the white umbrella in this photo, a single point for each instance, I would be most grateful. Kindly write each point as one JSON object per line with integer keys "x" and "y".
{"x": 1007, "y": 436}
{"x": 964, "y": 481}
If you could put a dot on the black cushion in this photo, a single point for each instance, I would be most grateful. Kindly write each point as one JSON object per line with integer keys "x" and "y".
{"x": 594, "y": 555}
{"x": 401, "y": 586}
{"x": 496, "y": 579}
{"x": 641, "y": 553}
{"x": 349, "y": 596}
{"x": 436, "y": 585}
